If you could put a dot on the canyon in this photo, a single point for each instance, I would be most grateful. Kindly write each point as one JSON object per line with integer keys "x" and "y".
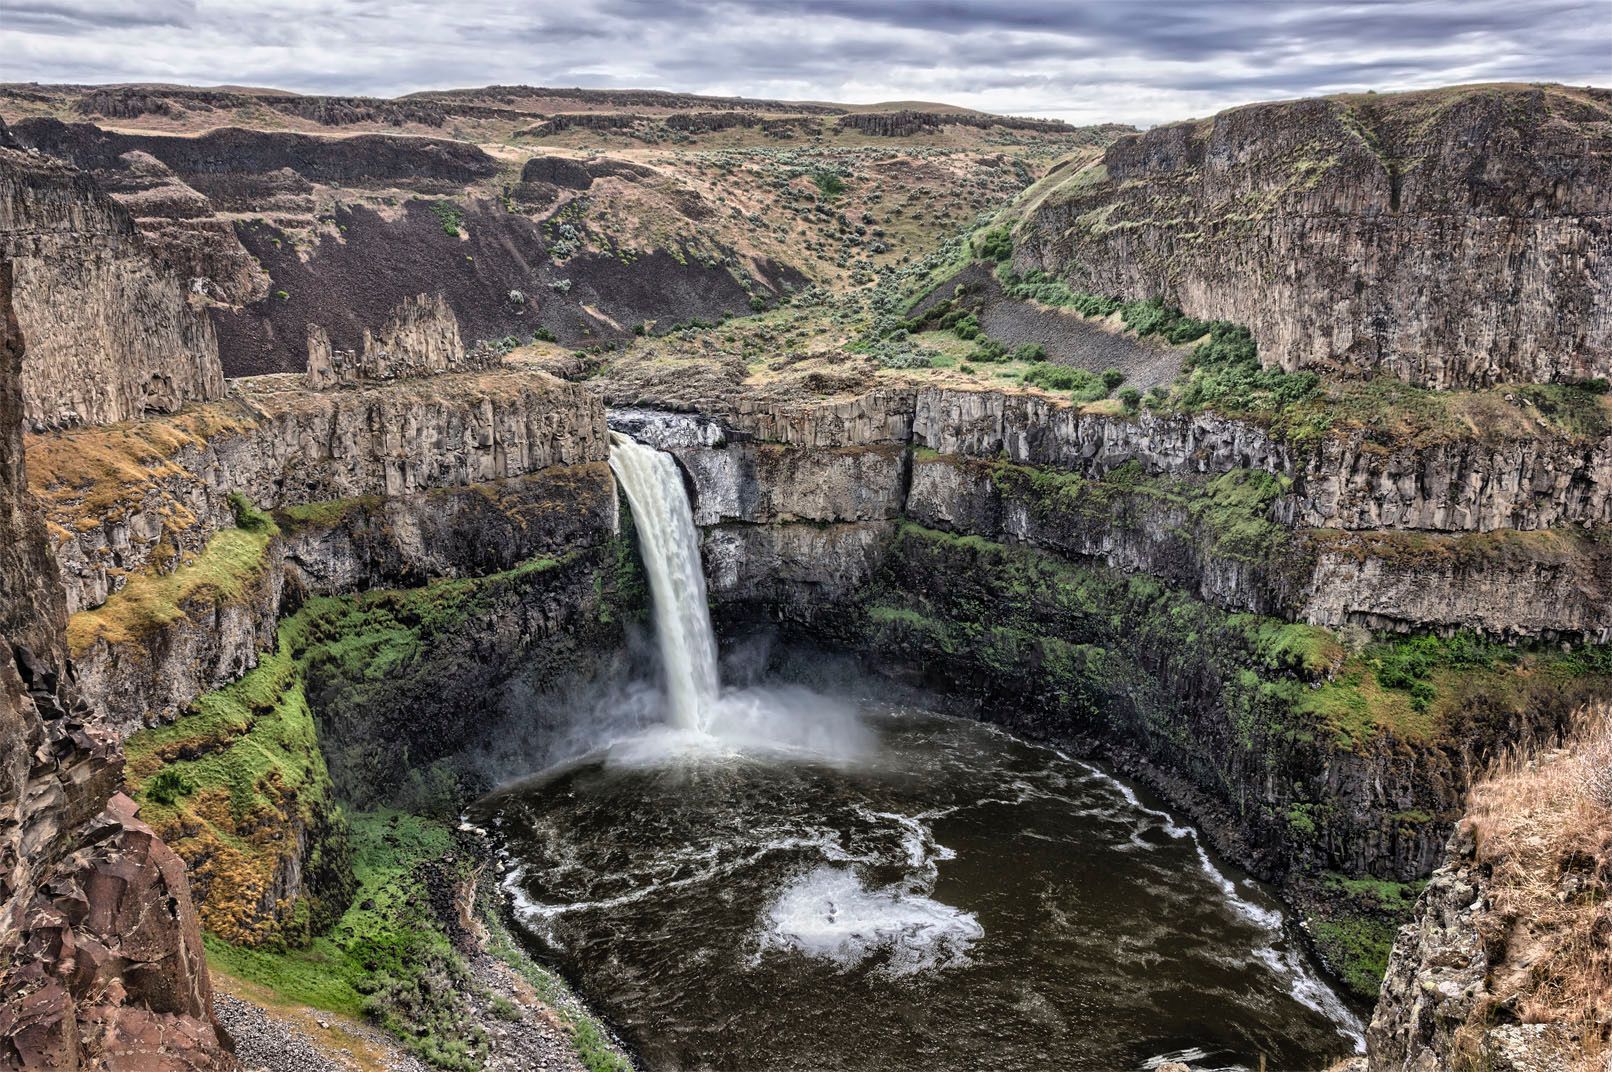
{"x": 291, "y": 551}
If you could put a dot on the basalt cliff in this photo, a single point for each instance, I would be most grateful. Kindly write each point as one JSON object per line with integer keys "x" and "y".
{"x": 288, "y": 548}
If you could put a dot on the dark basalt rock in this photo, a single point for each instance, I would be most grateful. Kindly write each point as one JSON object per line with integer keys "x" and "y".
{"x": 231, "y": 150}
{"x": 558, "y": 171}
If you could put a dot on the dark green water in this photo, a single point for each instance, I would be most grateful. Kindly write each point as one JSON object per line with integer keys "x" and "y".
{"x": 954, "y": 899}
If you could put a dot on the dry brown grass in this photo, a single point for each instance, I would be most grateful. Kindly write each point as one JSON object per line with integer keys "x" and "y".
{"x": 1543, "y": 830}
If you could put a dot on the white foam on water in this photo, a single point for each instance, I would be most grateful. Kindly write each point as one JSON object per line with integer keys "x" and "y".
{"x": 1303, "y": 985}
{"x": 776, "y": 723}
{"x": 1187, "y": 1057}
{"x": 829, "y": 914}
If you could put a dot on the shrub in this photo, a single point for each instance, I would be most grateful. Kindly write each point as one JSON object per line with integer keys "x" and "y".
{"x": 989, "y": 350}
{"x": 995, "y": 245}
{"x": 1084, "y": 386}
{"x": 168, "y": 786}
{"x": 1131, "y": 397}
{"x": 504, "y": 1009}
{"x": 449, "y": 215}
{"x": 544, "y": 335}
{"x": 828, "y": 183}
{"x": 1030, "y": 351}
{"x": 1112, "y": 378}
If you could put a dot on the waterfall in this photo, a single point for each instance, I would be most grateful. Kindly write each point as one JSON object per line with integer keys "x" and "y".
{"x": 671, "y": 550}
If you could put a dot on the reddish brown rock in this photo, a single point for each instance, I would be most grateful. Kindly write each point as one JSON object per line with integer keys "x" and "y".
{"x": 101, "y": 960}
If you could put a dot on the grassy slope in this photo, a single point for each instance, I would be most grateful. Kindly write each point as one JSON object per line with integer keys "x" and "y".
{"x": 224, "y": 783}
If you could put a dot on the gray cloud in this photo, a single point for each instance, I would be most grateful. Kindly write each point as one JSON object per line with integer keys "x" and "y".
{"x": 1081, "y": 60}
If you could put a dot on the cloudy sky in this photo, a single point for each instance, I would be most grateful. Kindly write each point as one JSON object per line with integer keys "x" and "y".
{"x": 1138, "y": 61}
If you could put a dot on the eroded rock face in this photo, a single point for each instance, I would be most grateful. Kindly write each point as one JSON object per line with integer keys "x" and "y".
{"x": 420, "y": 339}
{"x": 101, "y": 961}
{"x": 459, "y": 476}
{"x": 112, "y": 335}
{"x": 1453, "y": 237}
{"x": 1435, "y": 1005}
{"x": 278, "y": 444}
{"x": 1437, "y": 972}
{"x": 1462, "y": 534}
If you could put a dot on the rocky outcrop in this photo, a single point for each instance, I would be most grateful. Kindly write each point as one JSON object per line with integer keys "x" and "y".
{"x": 278, "y": 444}
{"x": 1505, "y": 965}
{"x": 740, "y": 478}
{"x": 101, "y": 961}
{"x": 421, "y": 338}
{"x": 408, "y": 540}
{"x": 1437, "y": 973}
{"x": 148, "y": 670}
{"x": 798, "y": 572}
{"x": 112, "y": 335}
{"x": 1476, "y": 482}
{"x": 358, "y": 158}
{"x": 1347, "y": 482}
{"x": 464, "y": 475}
{"x": 1244, "y": 521}
{"x": 907, "y": 122}
{"x": 1451, "y": 238}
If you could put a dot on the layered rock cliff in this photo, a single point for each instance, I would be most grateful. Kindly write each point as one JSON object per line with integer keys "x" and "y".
{"x": 1132, "y": 580}
{"x": 1448, "y": 534}
{"x": 112, "y": 335}
{"x": 101, "y": 961}
{"x": 1452, "y": 238}
{"x": 371, "y": 478}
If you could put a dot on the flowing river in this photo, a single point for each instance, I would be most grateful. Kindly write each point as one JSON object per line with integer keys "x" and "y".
{"x": 778, "y": 880}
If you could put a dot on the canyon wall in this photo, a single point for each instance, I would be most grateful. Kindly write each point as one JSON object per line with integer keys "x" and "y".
{"x": 227, "y": 565}
{"x": 1157, "y": 587}
{"x": 101, "y": 961}
{"x": 1504, "y": 965}
{"x": 391, "y": 483}
{"x": 273, "y": 231}
{"x": 421, "y": 338}
{"x": 1443, "y": 535}
{"x": 1453, "y": 238}
{"x": 112, "y": 335}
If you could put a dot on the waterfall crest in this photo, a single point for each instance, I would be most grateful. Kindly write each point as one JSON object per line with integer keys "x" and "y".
{"x": 671, "y": 550}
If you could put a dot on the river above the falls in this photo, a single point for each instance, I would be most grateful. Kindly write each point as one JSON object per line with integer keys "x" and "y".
{"x": 954, "y": 899}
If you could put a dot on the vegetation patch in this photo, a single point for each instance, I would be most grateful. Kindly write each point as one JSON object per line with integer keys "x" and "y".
{"x": 225, "y": 569}
{"x": 387, "y": 957}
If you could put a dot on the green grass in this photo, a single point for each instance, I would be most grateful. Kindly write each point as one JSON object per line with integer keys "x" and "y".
{"x": 386, "y": 958}
{"x": 232, "y": 560}
{"x": 449, "y": 215}
{"x": 1088, "y": 648}
{"x": 1356, "y": 930}
{"x": 1357, "y": 949}
{"x": 323, "y": 514}
{"x": 222, "y": 782}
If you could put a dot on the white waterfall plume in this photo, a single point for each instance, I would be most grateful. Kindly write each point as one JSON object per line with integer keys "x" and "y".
{"x": 671, "y": 551}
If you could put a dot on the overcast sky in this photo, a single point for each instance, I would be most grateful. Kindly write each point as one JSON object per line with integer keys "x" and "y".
{"x": 1132, "y": 61}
